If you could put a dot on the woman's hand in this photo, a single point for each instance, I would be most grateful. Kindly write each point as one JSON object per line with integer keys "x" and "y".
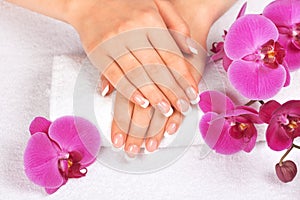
{"x": 129, "y": 42}
{"x": 133, "y": 125}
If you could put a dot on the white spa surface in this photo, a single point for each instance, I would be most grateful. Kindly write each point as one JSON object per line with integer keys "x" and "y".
{"x": 29, "y": 44}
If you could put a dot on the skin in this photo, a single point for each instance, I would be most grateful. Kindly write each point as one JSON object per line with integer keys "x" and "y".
{"x": 110, "y": 18}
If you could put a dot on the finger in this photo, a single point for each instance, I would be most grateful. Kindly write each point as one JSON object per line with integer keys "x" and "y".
{"x": 117, "y": 78}
{"x": 105, "y": 88}
{"x": 135, "y": 72}
{"x": 173, "y": 124}
{"x": 180, "y": 30}
{"x": 155, "y": 132}
{"x": 138, "y": 128}
{"x": 163, "y": 79}
{"x": 123, "y": 110}
{"x": 172, "y": 57}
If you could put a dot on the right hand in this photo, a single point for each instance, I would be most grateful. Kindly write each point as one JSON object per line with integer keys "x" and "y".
{"x": 129, "y": 42}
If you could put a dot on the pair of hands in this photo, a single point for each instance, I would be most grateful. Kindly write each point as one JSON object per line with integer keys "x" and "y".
{"x": 129, "y": 42}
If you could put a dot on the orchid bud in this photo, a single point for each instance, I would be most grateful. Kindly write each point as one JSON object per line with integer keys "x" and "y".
{"x": 287, "y": 171}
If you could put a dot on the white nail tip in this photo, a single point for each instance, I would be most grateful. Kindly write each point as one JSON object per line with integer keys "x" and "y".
{"x": 128, "y": 158}
{"x": 105, "y": 91}
{"x": 169, "y": 113}
{"x": 115, "y": 149}
{"x": 196, "y": 100}
{"x": 167, "y": 135}
{"x": 188, "y": 111}
{"x": 193, "y": 50}
{"x": 146, "y": 104}
{"x": 146, "y": 152}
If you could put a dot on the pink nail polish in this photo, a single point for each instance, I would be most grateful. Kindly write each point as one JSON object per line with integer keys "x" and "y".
{"x": 118, "y": 140}
{"x": 152, "y": 145}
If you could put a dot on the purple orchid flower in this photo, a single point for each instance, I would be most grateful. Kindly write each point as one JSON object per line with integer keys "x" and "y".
{"x": 60, "y": 150}
{"x": 286, "y": 16}
{"x": 257, "y": 70}
{"x": 284, "y": 123}
{"x": 225, "y": 127}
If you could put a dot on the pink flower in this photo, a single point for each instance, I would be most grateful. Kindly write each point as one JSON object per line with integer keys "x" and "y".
{"x": 257, "y": 70}
{"x": 60, "y": 150}
{"x": 284, "y": 123}
{"x": 225, "y": 127}
{"x": 286, "y": 16}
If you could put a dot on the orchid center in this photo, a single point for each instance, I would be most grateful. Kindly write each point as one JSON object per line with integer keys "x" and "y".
{"x": 243, "y": 126}
{"x": 292, "y": 124}
{"x": 272, "y": 54}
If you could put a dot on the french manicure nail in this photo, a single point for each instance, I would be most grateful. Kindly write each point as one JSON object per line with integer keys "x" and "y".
{"x": 118, "y": 140}
{"x": 171, "y": 129}
{"x": 184, "y": 106}
{"x": 151, "y": 146}
{"x": 132, "y": 150}
{"x": 192, "y": 46}
{"x": 104, "y": 90}
{"x": 144, "y": 103}
{"x": 165, "y": 109}
{"x": 192, "y": 95}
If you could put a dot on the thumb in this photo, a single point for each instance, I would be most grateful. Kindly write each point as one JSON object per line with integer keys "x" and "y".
{"x": 177, "y": 26}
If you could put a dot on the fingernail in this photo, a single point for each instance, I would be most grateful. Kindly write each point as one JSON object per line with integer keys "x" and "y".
{"x": 192, "y": 95}
{"x": 165, "y": 109}
{"x": 118, "y": 140}
{"x": 144, "y": 103}
{"x": 171, "y": 129}
{"x": 104, "y": 90}
{"x": 151, "y": 146}
{"x": 184, "y": 106}
{"x": 132, "y": 150}
{"x": 192, "y": 46}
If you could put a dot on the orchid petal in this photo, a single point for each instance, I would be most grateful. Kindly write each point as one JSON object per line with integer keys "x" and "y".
{"x": 292, "y": 56}
{"x": 276, "y": 136}
{"x": 41, "y": 162}
{"x": 254, "y": 81}
{"x": 288, "y": 75}
{"x": 39, "y": 124}
{"x": 291, "y": 107}
{"x": 251, "y": 144}
{"x": 214, "y": 101}
{"x": 226, "y": 62}
{"x": 247, "y": 34}
{"x": 76, "y": 134}
{"x": 283, "y": 12}
{"x": 242, "y": 11}
{"x": 266, "y": 111}
{"x": 51, "y": 190}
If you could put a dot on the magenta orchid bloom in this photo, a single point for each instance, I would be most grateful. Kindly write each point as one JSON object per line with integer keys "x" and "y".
{"x": 284, "y": 123}
{"x": 257, "y": 70}
{"x": 286, "y": 16}
{"x": 225, "y": 127}
{"x": 60, "y": 150}
{"x": 218, "y": 47}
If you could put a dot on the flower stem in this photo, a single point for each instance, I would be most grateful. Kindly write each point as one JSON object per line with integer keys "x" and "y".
{"x": 285, "y": 155}
{"x": 261, "y": 102}
{"x": 250, "y": 103}
{"x": 296, "y": 146}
